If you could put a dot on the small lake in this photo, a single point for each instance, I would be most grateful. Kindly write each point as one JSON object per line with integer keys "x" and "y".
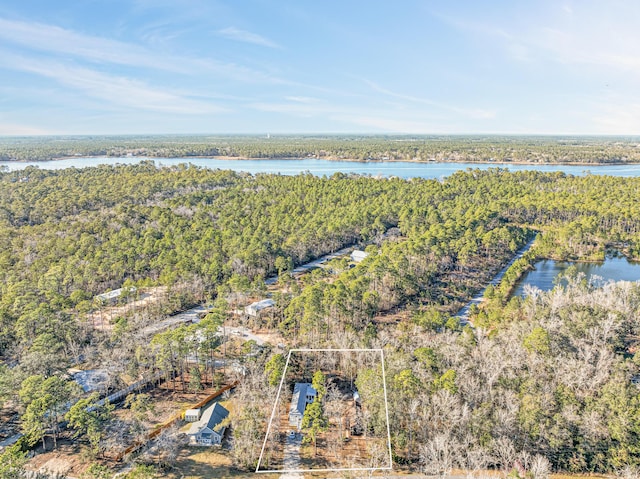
{"x": 543, "y": 276}
{"x": 402, "y": 169}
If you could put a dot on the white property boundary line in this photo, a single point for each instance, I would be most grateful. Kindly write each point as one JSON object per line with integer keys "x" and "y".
{"x": 275, "y": 407}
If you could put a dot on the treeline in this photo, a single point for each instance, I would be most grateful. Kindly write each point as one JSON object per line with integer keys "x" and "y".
{"x": 71, "y": 234}
{"x": 557, "y": 379}
{"x": 529, "y": 149}
{"x": 434, "y": 272}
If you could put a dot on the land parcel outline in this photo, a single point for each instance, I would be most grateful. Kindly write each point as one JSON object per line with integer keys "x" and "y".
{"x": 356, "y": 436}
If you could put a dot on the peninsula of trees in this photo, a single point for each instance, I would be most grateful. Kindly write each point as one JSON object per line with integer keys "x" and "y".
{"x": 488, "y": 149}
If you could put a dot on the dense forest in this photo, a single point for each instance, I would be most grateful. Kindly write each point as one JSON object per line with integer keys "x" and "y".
{"x": 548, "y": 380}
{"x": 499, "y": 149}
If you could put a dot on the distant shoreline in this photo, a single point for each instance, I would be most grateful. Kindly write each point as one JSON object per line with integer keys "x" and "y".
{"x": 354, "y": 160}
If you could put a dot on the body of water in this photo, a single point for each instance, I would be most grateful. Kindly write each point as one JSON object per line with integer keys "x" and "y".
{"x": 543, "y": 276}
{"x": 402, "y": 169}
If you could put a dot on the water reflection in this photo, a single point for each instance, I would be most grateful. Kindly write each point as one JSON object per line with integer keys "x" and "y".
{"x": 614, "y": 267}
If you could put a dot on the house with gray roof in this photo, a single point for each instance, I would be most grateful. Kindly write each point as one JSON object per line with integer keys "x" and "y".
{"x": 255, "y": 308}
{"x": 208, "y": 430}
{"x": 111, "y": 297}
{"x": 303, "y": 394}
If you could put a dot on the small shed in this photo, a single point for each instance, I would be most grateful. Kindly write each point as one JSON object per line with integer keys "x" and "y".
{"x": 254, "y": 308}
{"x": 192, "y": 415}
{"x": 358, "y": 255}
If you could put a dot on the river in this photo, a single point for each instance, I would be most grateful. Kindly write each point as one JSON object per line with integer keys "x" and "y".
{"x": 402, "y": 169}
{"x": 615, "y": 268}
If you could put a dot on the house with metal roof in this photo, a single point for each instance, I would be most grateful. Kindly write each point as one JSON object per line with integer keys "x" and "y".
{"x": 303, "y": 394}
{"x": 112, "y": 296}
{"x": 209, "y": 430}
{"x": 254, "y": 308}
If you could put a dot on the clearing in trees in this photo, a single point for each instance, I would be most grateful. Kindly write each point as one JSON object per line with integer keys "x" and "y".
{"x": 331, "y": 413}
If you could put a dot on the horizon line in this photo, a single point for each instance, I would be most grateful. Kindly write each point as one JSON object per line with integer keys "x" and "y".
{"x": 325, "y": 134}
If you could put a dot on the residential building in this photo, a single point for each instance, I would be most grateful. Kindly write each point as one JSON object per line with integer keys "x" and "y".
{"x": 358, "y": 255}
{"x": 112, "y": 296}
{"x": 254, "y": 308}
{"x": 208, "y": 430}
{"x": 303, "y": 394}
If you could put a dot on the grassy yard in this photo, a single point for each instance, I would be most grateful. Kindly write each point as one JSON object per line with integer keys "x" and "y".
{"x": 196, "y": 463}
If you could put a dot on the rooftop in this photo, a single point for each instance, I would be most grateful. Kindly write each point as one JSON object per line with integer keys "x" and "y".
{"x": 260, "y": 305}
{"x": 211, "y": 417}
{"x": 299, "y": 398}
{"x": 116, "y": 293}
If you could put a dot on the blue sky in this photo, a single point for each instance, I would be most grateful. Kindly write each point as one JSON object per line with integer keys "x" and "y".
{"x": 292, "y": 66}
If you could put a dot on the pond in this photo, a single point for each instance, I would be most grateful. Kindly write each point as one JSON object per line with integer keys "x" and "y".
{"x": 614, "y": 267}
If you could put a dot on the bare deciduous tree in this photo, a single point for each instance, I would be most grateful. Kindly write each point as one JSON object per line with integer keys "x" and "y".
{"x": 438, "y": 455}
{"x": 541, "y": 468}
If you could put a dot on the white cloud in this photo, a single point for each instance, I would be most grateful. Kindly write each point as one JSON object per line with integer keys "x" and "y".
{"x": 300, "y": 109}
{"x": 382, "y": 120}
{"x": 474, "y": 113}
{"x": 64, "y": 42}
{"x": 575, "y": 46}
{"x": 115, "y": 90}
{"x": 233, "y": 33}
{"x": 616, "y": 116}
{"x": 51, "y": 38}
{"x": 600, "y": 35}
{"x": 303, "y": 99}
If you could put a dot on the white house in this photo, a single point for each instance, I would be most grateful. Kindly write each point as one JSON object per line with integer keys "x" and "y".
{"x": 112, "y": 296}
{"x": 358, "y": 255}
{"x": 303, "y": 394}
{"x": 254, "y": 308}
{"x": 192, "y": 415}
{"x": 208, "y": 430}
